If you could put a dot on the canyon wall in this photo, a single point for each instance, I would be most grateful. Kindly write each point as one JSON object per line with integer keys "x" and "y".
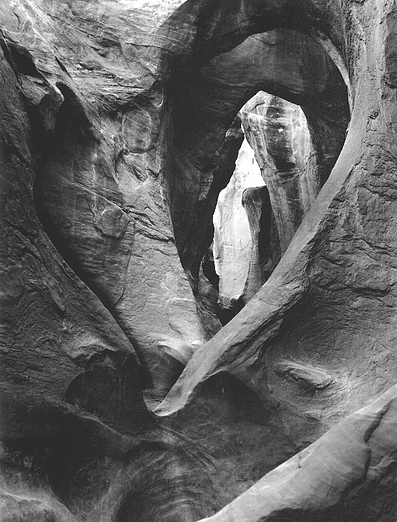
{"x": 232, "y": 235}
{"x": 123, "y": 398}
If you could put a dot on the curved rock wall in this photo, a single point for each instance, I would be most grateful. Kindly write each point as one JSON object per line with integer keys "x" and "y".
{"x": 99, "y": 191}
{"x": 205, "y": 98}
{"x": 326, "y": 277}
{"x": 116, "y": 128}
{"x": 265, "y": 247}
{"x": 278, "y": 132}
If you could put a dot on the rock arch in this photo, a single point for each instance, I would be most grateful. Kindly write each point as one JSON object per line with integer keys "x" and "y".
{"x": 302, "y": 266}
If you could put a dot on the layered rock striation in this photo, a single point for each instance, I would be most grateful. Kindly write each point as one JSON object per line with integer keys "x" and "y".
{"x": 118, "y": 131}
{"x": 278, "y": 132}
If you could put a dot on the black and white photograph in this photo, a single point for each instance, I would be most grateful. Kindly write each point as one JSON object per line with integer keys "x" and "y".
{"x": 198, "y": 260}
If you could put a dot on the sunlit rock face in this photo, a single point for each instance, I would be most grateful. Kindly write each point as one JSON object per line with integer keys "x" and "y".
{"x": 118, "y": 130}
{"x": 280, "y": 154}
{"x": 232, "y": 235}
{"x": 278, "y": 132}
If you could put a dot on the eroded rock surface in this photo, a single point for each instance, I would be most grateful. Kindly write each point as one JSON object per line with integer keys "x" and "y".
{"x": 278, "y": 132}
{"x": 265, "y": 247}
{"x": 118, "y": 131}
{"x": 96, "y": 125}
{"x": 205, "y": 99}
{"x": 332, "y": 478}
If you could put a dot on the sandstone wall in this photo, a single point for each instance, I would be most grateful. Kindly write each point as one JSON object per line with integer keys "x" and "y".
{"x": 118, "y": 131}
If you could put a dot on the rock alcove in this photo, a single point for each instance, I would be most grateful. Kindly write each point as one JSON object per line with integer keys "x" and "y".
{"x": 123, "y": 396}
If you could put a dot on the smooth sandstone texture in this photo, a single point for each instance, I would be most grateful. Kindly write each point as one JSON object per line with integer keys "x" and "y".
{"x": 278, "y": 132}
{"x": 55, "y": 330}
{"x": 265, "y": 248}
{"x": 279, "y": 138}
{"x": 232, "y": 235}
{"x": 327, "y": 480}
{"x": 205, "y": 100}
{"x": 118, "y": 131}
{"x": 305, "y": 265}
{"x": 99, "y": 190}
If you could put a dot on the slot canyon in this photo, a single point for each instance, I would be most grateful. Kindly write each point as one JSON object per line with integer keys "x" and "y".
{"x": 198, "y": 294}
